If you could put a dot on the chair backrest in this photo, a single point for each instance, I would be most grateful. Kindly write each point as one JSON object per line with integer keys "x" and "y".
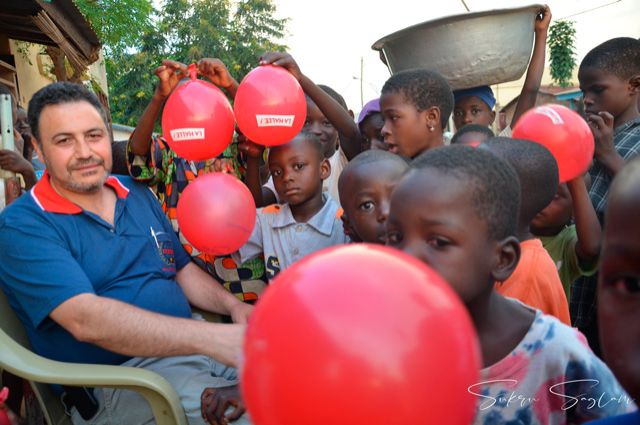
{"x": 10, "y": 323}
{"x": 50, "y": 404}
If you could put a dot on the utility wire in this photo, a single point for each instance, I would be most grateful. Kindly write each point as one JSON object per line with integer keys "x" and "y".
{"x": 590, "y": 10}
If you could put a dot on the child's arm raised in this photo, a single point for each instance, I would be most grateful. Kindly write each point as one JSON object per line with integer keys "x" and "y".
{"x": 339, "y": 117}
{"x": 605, "y": 151}
{"x": 529, "y": 93}
{"x": 169, "y": 74}
{"x": 588, "y": 227}
{"x": 218, "y": 74}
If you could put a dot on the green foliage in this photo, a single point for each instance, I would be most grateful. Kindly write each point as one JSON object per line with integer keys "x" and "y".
{"x": 236, "y": 32}
{"x": 118, "y": 23}
{"x": 562, "y": 52}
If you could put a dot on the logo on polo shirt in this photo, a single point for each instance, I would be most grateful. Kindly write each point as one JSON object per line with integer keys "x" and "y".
{"x": 180, "y": 134}
{"x": 165, "y": 249}
{"x": 275, "y": 120}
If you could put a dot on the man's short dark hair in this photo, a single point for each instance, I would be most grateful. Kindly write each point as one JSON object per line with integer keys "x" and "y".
{"x": 537, "y": 170}
{"x": 58, "y": 93}
{"x": 618, "y": 56}
{"x": 472, "y": 128}
{"x": 493, "y": 184}
{"x": 423, "y": 89}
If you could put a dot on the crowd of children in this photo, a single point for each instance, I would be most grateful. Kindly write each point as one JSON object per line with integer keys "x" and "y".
{"x": 522, "y": 251}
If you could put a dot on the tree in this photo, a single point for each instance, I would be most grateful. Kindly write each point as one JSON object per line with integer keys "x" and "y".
{"x": 562, "y": 54}
{"x": 236, "y": 32}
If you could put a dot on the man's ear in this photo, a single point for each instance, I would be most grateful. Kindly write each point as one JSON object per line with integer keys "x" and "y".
{"x": 36, "y": 147}
{"x": 493, "y": 117}
{"x": 432, "y": 117}
{"x": 507, "y": 257}
{"x": 325, "y": 169}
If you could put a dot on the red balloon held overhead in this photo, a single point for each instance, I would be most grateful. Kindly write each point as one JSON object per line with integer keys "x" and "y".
{"x": 216, "y": 213}
{"x": 270, "y": 106}
{"x": 197, "y": 120}
{"x": 360, "y": 334}
{"x": 565, "y": 133}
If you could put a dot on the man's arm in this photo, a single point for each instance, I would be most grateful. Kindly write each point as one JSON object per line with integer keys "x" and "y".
{"x": 350, "y": 137}
{"x": 169, "y": 74}
{"x": 128, "y": 330}
{"x": 204, "y": 292}
{"x": 529, "y": 93}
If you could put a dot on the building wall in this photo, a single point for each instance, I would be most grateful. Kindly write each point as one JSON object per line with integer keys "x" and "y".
{"x": 32, "y": 70}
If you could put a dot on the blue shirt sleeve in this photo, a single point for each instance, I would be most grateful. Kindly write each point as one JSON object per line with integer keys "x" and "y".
{"x": 37, "y": 270}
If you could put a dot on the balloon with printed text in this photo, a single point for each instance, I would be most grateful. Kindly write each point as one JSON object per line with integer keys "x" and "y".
{"x": 197, "y": 121}
{"x": 360, "y": 334}
{"x": 565, "y": 133}
{"x": 216, "y": 213}
{"x": 270, "y": 106}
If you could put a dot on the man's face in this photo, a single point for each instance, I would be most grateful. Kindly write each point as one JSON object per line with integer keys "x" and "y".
{"x": 75, "y": 146}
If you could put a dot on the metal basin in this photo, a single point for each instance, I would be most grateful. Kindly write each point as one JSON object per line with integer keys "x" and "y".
{"x": 473, "y": 49}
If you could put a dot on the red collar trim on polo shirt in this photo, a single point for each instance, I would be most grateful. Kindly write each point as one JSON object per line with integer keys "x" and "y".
{"x": 51, "y": 201}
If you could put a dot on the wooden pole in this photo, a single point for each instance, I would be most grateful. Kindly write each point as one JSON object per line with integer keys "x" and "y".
{"x": 10, "y": 184}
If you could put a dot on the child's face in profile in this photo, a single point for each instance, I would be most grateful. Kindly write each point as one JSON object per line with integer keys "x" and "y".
{"x": 319, "y": 125}
{"x": 371, "y": 129}
{"x": 432, "y": 219}
{"x": 297, "y": 170}
{"x": 368, "y": 188}
{"x": 619, "y": 291}
{"x": 554, "y": 216}
{"x": 603, "y": 91}
{"x": 405, "y": 129}
{"x": 472, "y": 110}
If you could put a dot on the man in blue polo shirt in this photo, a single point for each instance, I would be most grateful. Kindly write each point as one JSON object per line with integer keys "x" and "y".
{"x": 96, "y": 274}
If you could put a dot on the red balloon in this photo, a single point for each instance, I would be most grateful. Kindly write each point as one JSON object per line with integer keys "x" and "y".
{"x": 197, "y": 120}
{"x": 360, "y": 334}
{"x": 270, "y": 106}
{"x": 216, "y": 213}
{"x": 565, "y": 133}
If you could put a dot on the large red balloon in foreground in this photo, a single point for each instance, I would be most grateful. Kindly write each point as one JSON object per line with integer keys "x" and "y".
{"x": 197, "y": 121}
{"x": 216, "y": 213}
{"x": 565, "y": 133}
{"x": 270, "y": 106}
{"x": 360, "y": 334}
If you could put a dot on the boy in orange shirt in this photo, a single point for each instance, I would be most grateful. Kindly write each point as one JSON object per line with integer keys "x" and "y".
{"x": 535, "y": 281}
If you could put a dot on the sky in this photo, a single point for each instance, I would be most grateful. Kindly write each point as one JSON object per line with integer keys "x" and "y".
{"x": 329, "y": 39}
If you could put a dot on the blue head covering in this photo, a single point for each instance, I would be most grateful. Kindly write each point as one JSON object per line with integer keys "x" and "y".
{"x": 483, "y": 93}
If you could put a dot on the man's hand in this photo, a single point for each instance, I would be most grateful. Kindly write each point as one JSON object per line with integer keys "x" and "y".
{"x": 542, "y": 24}
{"x": 252, "y": 150}
{"x": 240, "y": 312}
{"x": 284, "y": 60}
{"x": 216, "y": 401}
{"x": 215, "y": 71}
{"x": 169, "y": 73}
{"x": 14, "y": 162}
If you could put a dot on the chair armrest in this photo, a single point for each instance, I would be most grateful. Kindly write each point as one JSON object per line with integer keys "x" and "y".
{"x": 162, "y": 398}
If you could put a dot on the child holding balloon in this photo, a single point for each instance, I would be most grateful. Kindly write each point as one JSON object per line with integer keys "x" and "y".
{"x": 308, "y": 220}
{"x": 327, "y": 117}
{"x": 463, "y": 223}
{"x": 573, "y": 247}
{"x": 151, "y": 160}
